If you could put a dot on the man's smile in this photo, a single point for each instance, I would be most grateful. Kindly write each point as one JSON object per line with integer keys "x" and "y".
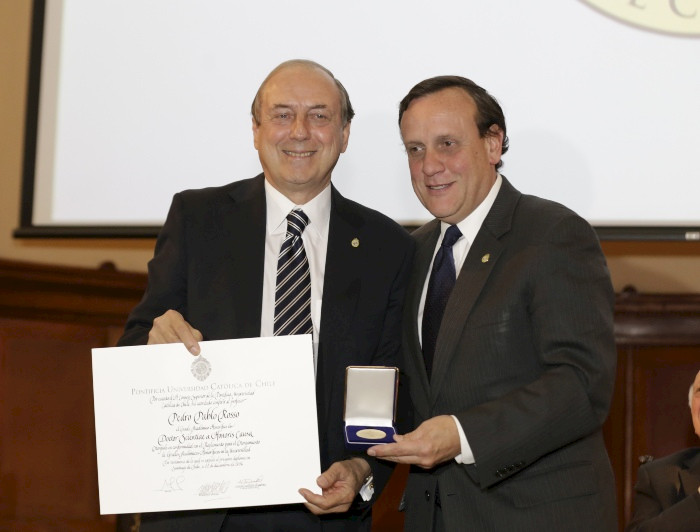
{"x": 298, "y": 153}
{"x": 438, "y": 187}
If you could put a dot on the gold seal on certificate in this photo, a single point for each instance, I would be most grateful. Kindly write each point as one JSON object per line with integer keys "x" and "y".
{"x": 201, "y": 368}
{"x": 371, "y": 434}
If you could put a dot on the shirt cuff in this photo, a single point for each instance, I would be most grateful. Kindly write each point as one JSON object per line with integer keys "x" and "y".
{"x": 367, "y": 489}
{"x": 466, "y": 456}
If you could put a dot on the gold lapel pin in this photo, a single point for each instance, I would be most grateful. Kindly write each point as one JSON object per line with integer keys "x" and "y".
{"x": 355, "y": 242}
{"x": 486, "y": 258}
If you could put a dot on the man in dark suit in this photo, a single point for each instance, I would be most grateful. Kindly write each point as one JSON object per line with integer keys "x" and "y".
{"x": 510, "y": 388}
{"x": 214, "y": 273}
{"x": 667, "y": 493}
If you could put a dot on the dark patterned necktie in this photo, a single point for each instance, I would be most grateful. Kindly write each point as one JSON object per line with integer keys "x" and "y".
{"x": 442, "y": 280}
{"x": 293, "y": 293}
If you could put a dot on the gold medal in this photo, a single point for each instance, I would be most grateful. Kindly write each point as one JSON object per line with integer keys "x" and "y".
{"x": 371, "y": 434}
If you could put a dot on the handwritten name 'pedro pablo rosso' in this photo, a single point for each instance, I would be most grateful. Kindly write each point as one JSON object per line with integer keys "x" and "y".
{"x": 201, "y": 416}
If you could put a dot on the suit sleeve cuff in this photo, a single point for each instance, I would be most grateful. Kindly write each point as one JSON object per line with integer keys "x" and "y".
{"x": 465, "y": 456}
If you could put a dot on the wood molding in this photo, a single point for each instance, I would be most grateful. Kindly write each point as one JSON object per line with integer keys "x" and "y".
{"x": 102, "y": 296}
{"x": 657, "y": 319}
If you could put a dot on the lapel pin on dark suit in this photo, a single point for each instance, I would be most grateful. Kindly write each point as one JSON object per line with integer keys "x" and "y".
{"x": 486, "y": 258}
{"x": 355, "y": 242}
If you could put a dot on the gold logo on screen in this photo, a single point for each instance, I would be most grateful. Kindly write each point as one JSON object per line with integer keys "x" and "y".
{"x": 679, "y": 17}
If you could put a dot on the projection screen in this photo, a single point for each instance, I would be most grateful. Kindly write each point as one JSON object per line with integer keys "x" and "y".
{"x": 131, "y": 101}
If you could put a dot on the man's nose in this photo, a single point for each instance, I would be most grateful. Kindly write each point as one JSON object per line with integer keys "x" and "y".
{"x": 432, "y": 163}
{"x": 300, "y": 129}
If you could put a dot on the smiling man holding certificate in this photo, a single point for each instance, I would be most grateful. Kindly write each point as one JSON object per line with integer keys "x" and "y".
{"x": 221, "y": 271}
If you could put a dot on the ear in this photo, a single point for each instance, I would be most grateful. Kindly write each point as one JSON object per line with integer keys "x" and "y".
{"x": 255, "y": 133}
{"x": 494, "y": 143}
{"x": 346, "y": 137}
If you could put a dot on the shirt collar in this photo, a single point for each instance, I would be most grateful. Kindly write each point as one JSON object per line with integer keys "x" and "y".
{"x": 318, "y": 209}
{"x": 470, "y": 226}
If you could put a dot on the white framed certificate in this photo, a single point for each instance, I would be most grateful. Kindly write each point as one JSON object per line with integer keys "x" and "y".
{"x": 235, "y": 426}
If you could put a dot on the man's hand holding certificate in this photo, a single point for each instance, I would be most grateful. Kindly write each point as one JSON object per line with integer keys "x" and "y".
{"x": 177, "y": 432}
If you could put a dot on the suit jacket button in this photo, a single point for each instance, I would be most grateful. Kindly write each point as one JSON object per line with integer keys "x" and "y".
{"x": 427, "y": 495}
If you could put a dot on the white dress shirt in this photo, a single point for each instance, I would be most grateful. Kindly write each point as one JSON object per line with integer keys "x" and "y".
{"x": 315, "y": 237}
{"x": 469, "y": 228}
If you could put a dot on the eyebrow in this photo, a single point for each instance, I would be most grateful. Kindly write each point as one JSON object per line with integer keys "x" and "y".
{"x": 439, "y": 138}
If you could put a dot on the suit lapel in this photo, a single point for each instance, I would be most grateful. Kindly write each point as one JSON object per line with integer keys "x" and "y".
{"x": 247, "y": 256}
{"x": 690, "y": 476}
{"x": 481, "y": 260}
{"x": 426, "y": 238}
{"x": 341, "y": 290}
{"x": 471, "y": 281}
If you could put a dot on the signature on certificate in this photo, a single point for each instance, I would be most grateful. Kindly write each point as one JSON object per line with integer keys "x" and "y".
{"x": 171, "y": 484}
{"x": 250, "y": 483}
{"x": 211, "y": 489}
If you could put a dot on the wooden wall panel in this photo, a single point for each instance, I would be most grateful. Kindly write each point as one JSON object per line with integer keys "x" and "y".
{"x": 661, "y": 379}
{"x": 658, "y": 337}
{"x": 50, "y": 319}
{"x": 650, "y": 415}
{"x": 48, "y": 471}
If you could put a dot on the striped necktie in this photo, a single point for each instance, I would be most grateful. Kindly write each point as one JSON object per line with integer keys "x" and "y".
{"x": 293, "y": 293}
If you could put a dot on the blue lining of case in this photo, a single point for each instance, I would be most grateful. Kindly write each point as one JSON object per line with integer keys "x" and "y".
{"x": 353, "y": 441}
